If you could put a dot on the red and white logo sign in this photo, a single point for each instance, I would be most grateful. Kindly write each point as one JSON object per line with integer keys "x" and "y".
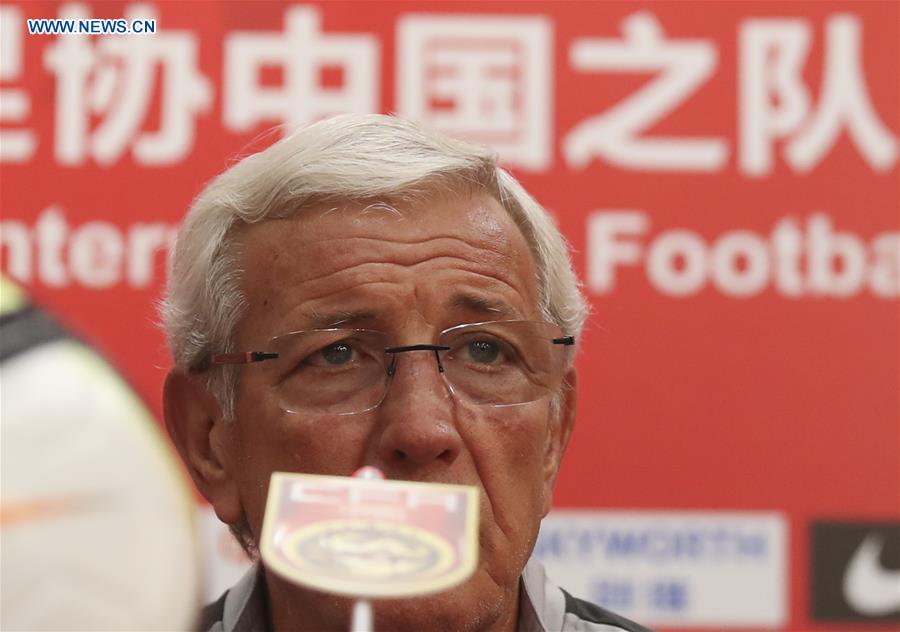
{"x": 370, "y": 538}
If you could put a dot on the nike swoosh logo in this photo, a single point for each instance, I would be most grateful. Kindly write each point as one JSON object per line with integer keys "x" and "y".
{"x": 868, "y": 587}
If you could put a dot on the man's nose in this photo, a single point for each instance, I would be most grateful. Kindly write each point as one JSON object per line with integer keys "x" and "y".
{"x": 417, "y": 417}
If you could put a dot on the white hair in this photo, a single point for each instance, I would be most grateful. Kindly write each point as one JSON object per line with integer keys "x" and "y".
{"x": 344, "y": 158}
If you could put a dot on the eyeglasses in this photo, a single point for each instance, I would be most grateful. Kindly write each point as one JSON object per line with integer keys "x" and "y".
{"x": 349, "y": 371}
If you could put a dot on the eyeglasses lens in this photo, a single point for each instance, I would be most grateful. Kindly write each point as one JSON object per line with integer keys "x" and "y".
{"x": 345, "y": 371}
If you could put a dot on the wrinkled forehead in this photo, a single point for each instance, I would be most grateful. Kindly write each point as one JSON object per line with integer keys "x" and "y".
{"x": 477, "y": 219}
{"x": 327, "y": 238}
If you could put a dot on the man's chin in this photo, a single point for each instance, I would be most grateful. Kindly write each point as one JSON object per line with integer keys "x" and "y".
{"x": 478, "y": 605}
{"x": 471, "y": 607}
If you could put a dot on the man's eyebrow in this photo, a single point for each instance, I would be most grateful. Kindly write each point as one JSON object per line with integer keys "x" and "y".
{"x": 326, "y": 320}
{"x": 480, "y": 304}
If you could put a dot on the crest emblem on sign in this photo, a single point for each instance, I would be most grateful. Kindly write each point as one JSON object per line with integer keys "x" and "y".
{"x": 370, "y": 538}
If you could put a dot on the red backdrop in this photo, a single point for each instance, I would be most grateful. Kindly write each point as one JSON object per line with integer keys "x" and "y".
{"x": 726, "y": 174}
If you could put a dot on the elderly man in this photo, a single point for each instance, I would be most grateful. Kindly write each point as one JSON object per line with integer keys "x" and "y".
{"x": 351, "y": 236}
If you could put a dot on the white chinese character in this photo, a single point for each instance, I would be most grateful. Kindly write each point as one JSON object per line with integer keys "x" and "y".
{"x": 772, "y": 55}
{"x": 485, "y": 79}
{"x": 614, "y": 135}
{"x": 16, "y": 145}
{"x": 114, "y": 78}
{"x": 305, "y": 54}
{"x": 775, "y": 103}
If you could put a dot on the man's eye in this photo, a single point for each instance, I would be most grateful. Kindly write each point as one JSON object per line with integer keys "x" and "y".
{"x": 337, "y": 354}
{"x": 483, "y": 351}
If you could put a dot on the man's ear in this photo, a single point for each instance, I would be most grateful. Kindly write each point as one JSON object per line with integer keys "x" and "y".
{"x": 199, "y": 432}
{"x": 558, "y": 433}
